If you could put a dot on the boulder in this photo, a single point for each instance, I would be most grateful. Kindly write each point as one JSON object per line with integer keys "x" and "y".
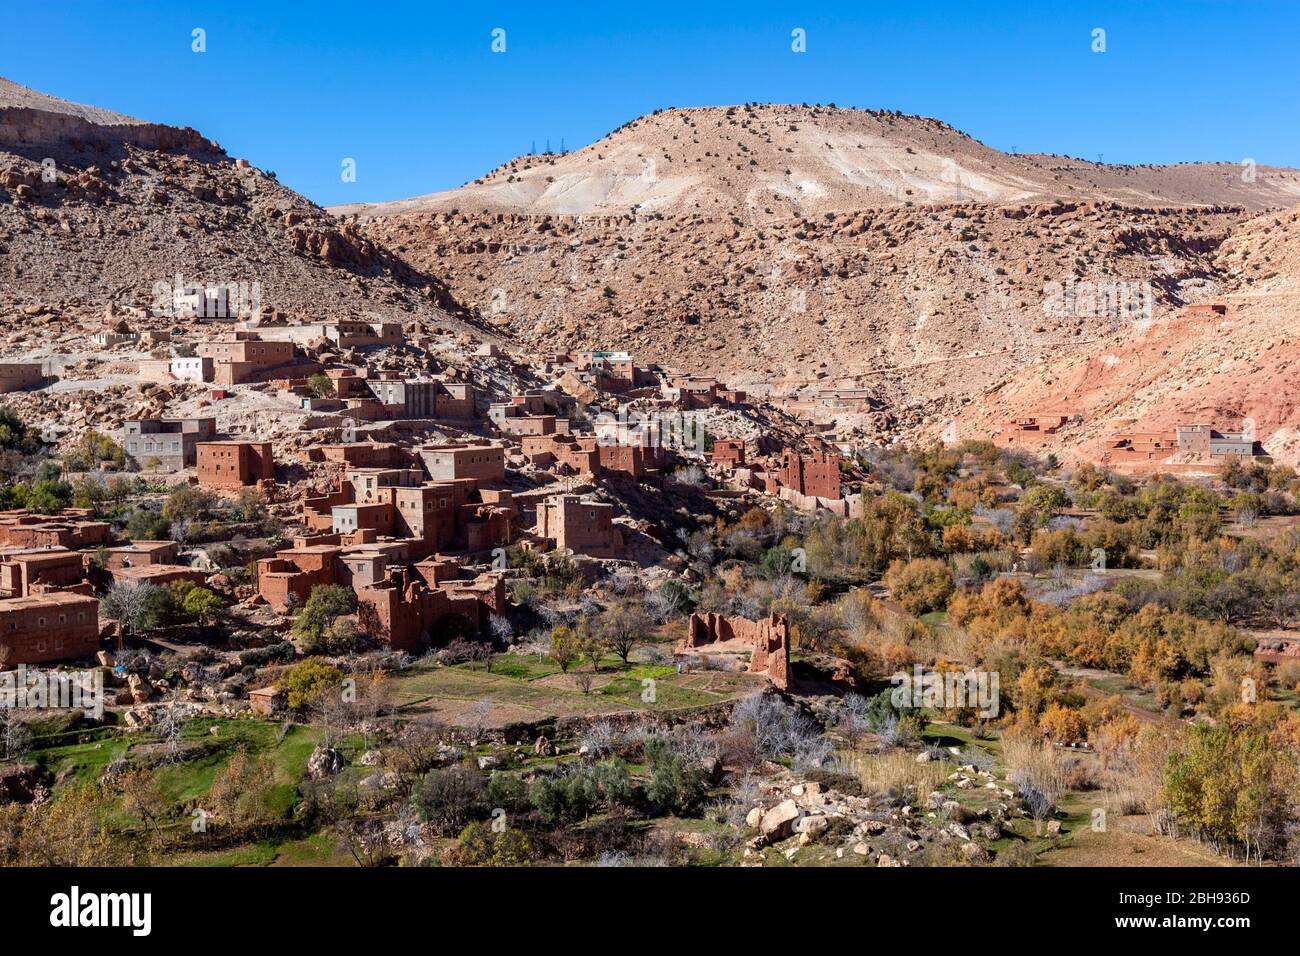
{"x": 324, "y": 762}
{"x": 974, "y": 853}
{"x": 778, "y": 823}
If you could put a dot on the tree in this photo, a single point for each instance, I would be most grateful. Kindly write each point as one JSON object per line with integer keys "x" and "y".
{"x": 325, "y": 604}
{"x": 134, "y": 606}
{"x": 242, "y": 792}
{"x": 565, "y": 647}
{"x": 142, "y": 796}
{"x": 15, "y": 736}
{"x": 202, "y": 605}
{"x": 89, "y": 492}
{"x": 480, "y": 845}
{"x": 449, "y": 798}
{"x": 170, "y": 723}
{"x": 250, "y": 505}
{"x": 94, "y": 450}
{"x": 304, "y": 681}
{"x": 147, "y": 525}
{"x": 321, "y": 386}
{"x": 622, "y": 628}
{"x": 1233, "y": 787}
{"x": 675, "y": 786}
{"x": 17, "y": 436}
{"x": 922, "y": 585}
{"x": 189, "y": 502}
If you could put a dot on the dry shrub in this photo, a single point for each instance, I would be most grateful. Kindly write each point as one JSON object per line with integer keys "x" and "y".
{"x": 899, "y": 772}
{"x": 1037, "y": 770}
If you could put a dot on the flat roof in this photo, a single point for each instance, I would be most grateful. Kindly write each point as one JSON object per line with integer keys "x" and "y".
{"x": 48, "y": 599}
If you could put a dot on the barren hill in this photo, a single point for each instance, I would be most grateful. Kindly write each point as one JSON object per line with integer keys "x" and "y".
{"x": 927, "y": 306}
{"x": 767, "y": 162}
{"x": 796, "y": 245}
{"x": 96, "y": 208}
{"x": 1236, "y": 371}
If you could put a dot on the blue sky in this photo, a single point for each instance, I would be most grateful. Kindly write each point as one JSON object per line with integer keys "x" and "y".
{"x": 414, "y": 93}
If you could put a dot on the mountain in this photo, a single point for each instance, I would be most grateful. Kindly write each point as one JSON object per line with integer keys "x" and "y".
{"x": 1232, "y": 371}
{"x": 786, "y": 248}
{"x": 767, "y": 162}
{"x": 96, "y": 208}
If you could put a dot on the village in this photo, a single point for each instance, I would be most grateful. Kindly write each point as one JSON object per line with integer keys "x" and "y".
{"x": 521, "y": 567}
{"x": 804, "y": 484}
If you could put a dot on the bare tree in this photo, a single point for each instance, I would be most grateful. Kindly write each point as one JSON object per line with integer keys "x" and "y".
{"x": 170, "y": 723}
{"x": 16, "y": 736}
{"x": 131, "y": 605}
{"x": 622, "y": 628}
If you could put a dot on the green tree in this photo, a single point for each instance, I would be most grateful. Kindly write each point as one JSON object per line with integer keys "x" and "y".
{"x": 146, "y": 525}
{"x": 321, "y": 386}
{"x": 16, "y": 436}
{"x": 326, "y": 604}
{"x": 305, "y": 680}
{"x": 566, "y": 647}
{"x": 94, "y": 450}
{"x": 201, "y": 604}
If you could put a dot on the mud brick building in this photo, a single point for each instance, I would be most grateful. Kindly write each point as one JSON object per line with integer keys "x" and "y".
{"x": 245, "y": 357}
{"x": 1140, "y": 447}
{"x": 72, "y": 529}
{"x": 583, "y": 527}
{"x": 343, "y": 333}
{"x": 138, "y": 554}
{"x": 414, "y": 607}
{"x": 296, "y": 571}
{"x": 525, "y": 415}
{"x": 170, "y": 442}
{"x": 1033, "y": 428}
{"x": 179, "y": 369}
{"x": 368, "y": 483}
{"x": 42, "y": 628}
{"x": 816, "y": 475}
{"x": 570, "y": 454}
{"x": 368, "y": 454}
{"x": 529, "y": 425}
{"x": 768, "y": 640}
{"x": 19, "y": 375}
{"x": 486, "y": 464}
{"x": 728, "y": 452}
{"x": 586, "y": 455}
{"x": 34, "y": 571}
{"x": 414, "y": 616}
{"x": 157, "y": 574}
{"x": 234, "y": 464}
{"x": 430, "y": 517}
{"x": 425, "y": 399}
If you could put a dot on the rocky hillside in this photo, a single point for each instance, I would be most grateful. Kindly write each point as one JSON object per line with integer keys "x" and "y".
{"x": 97, "y": 208}
{"x": 928, "y": 305}
{"x": 800, "y": 244}
{"x": 769, "y": 162}
{"x": 1233, "y": 372}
